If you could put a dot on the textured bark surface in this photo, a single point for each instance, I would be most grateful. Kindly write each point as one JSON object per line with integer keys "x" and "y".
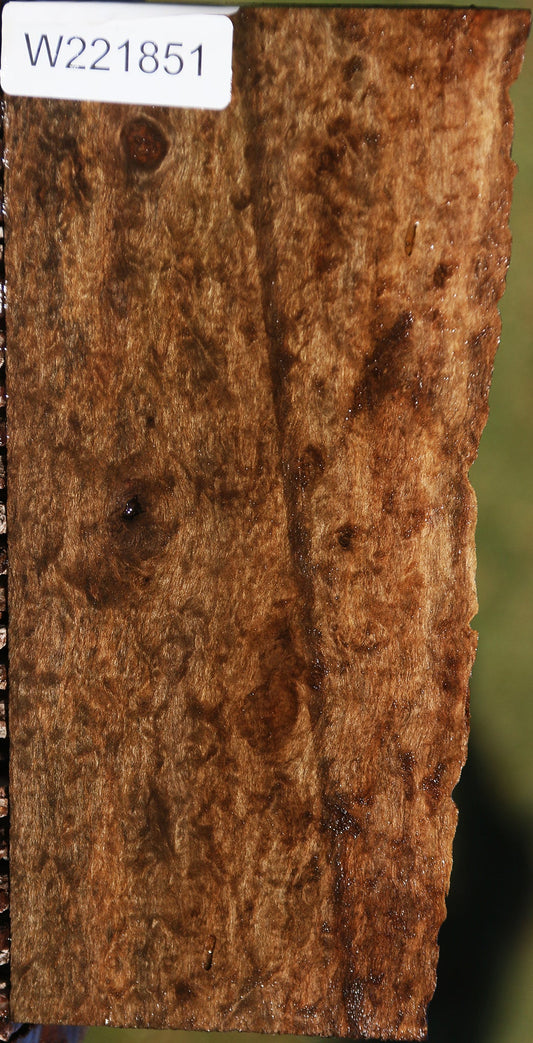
{"x": 4, "y": 766}
{"x": 249, "y": 355}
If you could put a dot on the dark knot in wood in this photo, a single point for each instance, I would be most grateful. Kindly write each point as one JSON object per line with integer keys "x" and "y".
{"x": 132, "y": 509}
{"x": 144, "y": 143}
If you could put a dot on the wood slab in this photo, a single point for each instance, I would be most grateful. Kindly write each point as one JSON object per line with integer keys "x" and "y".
{"x": 249, "y": 355}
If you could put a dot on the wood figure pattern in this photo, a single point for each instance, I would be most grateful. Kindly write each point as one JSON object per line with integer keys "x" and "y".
{"x": 249, "y": 360}
{"x": 4, "y": 747}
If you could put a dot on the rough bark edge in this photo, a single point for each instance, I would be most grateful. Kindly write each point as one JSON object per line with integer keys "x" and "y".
{"x": 6, "y": 1028}
{"x": 513, "y": 62}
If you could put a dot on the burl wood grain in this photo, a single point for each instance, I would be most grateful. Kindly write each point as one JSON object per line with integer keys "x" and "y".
{"x": 249, "y": 354}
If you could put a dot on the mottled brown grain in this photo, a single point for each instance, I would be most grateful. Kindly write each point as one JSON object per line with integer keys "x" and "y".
{"x": 249, "y": 354}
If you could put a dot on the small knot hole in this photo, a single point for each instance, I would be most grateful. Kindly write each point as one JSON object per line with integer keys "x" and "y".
{"x": 132, "y": 509}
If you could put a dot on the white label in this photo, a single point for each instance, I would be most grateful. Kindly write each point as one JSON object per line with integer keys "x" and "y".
{"x": 148, "y": 54}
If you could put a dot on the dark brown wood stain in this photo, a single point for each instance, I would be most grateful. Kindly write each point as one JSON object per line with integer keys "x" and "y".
{"x": 248, "y": 362}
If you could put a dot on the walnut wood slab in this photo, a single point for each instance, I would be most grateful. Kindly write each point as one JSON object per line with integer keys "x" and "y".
{"x": 249, "y": 355}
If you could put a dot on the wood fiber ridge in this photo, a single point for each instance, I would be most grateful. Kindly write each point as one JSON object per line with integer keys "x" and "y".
{"x": 249, "y": 356}
{"x": 4, "y": 883}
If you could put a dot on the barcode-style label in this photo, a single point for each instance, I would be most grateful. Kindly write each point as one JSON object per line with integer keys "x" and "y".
{"x": 149, "y": 54}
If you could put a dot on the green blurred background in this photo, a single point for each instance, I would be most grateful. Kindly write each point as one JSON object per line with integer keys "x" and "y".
{"x": 485, "y": 981}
